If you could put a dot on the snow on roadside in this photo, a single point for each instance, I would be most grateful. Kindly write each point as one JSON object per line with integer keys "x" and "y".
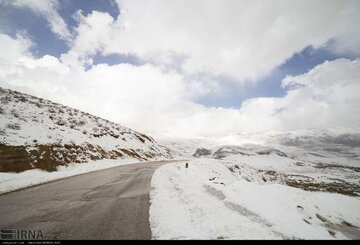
{"x": 14, "y": 181}
{"x": 186, "y": 205}
{"x": 207, "y": 201}
{"x": 295, "y": 212}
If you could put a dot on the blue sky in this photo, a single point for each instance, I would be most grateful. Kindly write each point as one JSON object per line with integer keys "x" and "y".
{"x": 46, "y": 42}
{"x": 172, "y": 70}
{"x": 37, "y": 27}
{"x": 270, "y": 86}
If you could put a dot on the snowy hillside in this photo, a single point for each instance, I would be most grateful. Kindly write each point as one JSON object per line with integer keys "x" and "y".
{"x": 326, "y": 160}
{"x": 278, "y": 185}
{"x": 37, "y": 133}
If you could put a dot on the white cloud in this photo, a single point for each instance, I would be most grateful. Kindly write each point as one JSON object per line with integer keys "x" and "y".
{"x": 243, "y": 39}
{"x": 47, "y": 9}
{"x": 90, "y": 33}
{"x": 13, "y": 48}
{"x": 138, "y": 97}
{"x": 329, "y": 96}
{"x": 232, "y": 38}
{"x": 161, "y": 103}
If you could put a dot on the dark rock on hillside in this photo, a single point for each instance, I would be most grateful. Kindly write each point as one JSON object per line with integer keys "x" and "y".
{"x": 225, "y": 151}
{"x": 202, "y": 152}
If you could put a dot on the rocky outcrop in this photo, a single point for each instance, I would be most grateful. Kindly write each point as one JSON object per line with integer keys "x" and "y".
{"x": 200, "y": 152}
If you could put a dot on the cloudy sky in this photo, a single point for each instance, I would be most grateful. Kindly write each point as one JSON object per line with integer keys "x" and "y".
{"x": 189, "y": 68}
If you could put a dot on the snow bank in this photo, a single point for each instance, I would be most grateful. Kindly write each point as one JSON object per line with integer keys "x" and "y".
{"x": 207, "y": 201}
{"x": 14, "y": 181}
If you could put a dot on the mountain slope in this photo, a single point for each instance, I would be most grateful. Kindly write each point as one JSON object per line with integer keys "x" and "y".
{"x": 315, "y": 160}
{"x": 37, "y": 133}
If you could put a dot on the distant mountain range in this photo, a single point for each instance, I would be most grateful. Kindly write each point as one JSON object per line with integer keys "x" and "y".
{"x": 311, "y": 159}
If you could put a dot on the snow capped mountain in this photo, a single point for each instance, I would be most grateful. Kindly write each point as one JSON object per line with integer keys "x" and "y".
{"x": 37, "y": 133}
{"x": 315, "y": 160}
{"x": 340, "y": 142}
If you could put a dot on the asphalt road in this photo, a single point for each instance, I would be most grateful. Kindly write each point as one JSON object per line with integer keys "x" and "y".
{"x": 106, "y": 204}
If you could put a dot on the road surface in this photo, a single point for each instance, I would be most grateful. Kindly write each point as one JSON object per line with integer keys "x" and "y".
{"x": 106, "y": 204}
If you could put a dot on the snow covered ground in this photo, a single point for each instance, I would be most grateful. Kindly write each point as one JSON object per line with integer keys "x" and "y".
{"x": 210, "y": 200}
{"x": 276, "y": 185}
{"x": 14, "y": 181}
